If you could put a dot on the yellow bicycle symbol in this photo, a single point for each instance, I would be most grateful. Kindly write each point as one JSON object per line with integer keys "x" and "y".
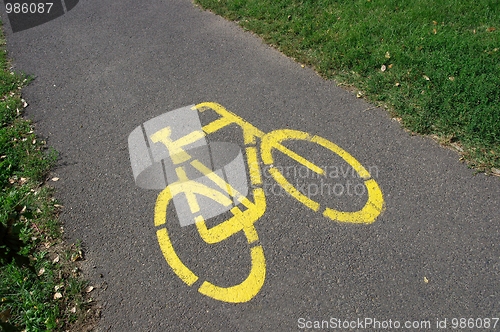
{"x": 244, "y": 220}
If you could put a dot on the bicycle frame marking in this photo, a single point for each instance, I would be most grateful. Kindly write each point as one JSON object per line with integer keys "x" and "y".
{"x": 244, "y": 220}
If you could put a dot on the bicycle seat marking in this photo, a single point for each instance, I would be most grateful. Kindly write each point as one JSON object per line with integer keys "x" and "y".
{"x": 170, "y": 153}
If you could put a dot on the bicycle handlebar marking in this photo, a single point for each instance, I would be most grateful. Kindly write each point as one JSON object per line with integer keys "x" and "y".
{"x": 244, "y": 220}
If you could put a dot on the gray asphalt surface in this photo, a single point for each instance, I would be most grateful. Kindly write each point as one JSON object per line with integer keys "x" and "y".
{"x": 104, "y": 68}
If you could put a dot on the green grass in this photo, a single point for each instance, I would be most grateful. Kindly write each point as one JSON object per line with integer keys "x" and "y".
{"x": 35, "y": 263}
{"x": 441, "y": 58}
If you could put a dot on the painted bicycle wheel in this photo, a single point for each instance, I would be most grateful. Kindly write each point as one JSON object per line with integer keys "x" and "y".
{"x": 241, "y": 292}
{"x": 273, "y": 143}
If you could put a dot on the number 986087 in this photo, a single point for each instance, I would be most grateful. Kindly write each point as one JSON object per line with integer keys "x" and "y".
{"x": 28, "y": 8}
{"x": 472, "y": 323}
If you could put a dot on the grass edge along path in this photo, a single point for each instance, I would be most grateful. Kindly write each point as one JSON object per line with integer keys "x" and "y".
{"x": 433, "y": 64}
{"x": 41, "y": 288}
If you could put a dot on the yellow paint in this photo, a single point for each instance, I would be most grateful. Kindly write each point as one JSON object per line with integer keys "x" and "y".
{"x": 173, "y": 260}
{"x": 368, "y": 213}
{"x": 273, "y": 140}
{"x": 175, "y": 149}
{"x": 188, "y": 187}
{"x": 362, "y": 172}
{"x": 191, "y": 187}
{"x": 244, "y": 220}
{"x": 375, "y": 201}
{"x": 249, "y": 131}
{"x": 247, "y": 289}
{"x": 167, "y": 249}
{"x": 216, "y": 125}
{"x": 289, "y": 188}
{"x": 220, "y": 182}
{"x": 241, "y": 220}
{"x": 190, "y": 196}
{"x": 253, "y": 166}
{"x": 240, "y": 293}
{"x": 300, "y": 159}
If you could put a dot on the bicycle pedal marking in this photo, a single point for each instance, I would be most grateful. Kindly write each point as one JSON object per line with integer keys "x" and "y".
{"x": 178, "y": 167}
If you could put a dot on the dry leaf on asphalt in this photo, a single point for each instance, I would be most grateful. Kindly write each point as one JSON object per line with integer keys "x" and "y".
{"x": 55, "y": 179}
{"x": 89, "y": 289}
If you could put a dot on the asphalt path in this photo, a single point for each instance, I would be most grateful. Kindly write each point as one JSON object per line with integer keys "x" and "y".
{"x": 105, "y": 68}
